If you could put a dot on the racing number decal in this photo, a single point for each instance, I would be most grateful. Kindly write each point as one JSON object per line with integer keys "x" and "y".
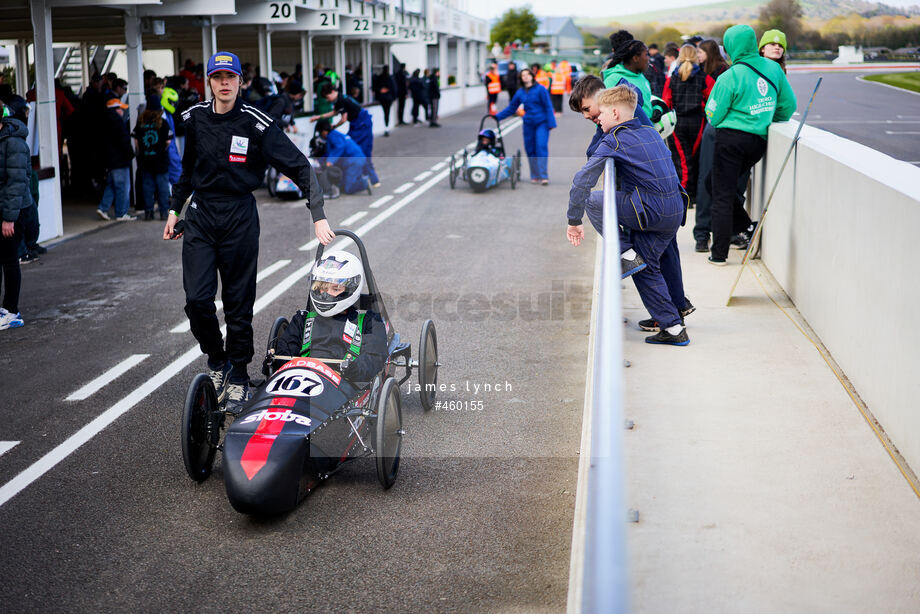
{"x": 280, "y": 11}
{"x": 296, "y": 382}
{"x": 361, "y": 25}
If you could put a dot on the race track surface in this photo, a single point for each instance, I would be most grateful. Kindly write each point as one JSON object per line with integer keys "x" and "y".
{"x": 480, "y": 518}
{"x": 884, "y": 118}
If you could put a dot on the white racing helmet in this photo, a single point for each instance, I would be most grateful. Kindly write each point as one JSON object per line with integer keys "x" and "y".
{"x": 336, "y": 282}
{"x": 665, "y": 125}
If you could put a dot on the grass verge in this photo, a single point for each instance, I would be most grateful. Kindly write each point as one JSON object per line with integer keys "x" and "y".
{"x": 904, "y": 80}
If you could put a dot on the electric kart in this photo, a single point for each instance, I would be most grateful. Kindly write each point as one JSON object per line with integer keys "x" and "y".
{"x": 483, "y": 169}
{"x": 306, "y": 421}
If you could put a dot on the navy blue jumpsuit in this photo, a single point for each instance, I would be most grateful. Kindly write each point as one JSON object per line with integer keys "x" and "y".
{"x": 651, "y": 206}
{"x": 538, "y": 121}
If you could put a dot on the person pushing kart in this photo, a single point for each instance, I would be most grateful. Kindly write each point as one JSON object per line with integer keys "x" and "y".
{"x": 336, "y": 329}
{"x": 227, "y": 149}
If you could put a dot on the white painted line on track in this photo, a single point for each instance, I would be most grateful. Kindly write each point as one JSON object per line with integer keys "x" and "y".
{"x": 72, "y": 443}
{"x": 381, "y": 201}
{"x": 422, "y": 176}
{"x": 403, "y": 188}
{"x": 6, "y": 446}
{"x": 272, "y": 268}
{"x": 186, "y": 326}
{"x": 900, "y": 132}
{"x": 891, "y": 87}
{"x": 108, "y": 377}
{"x": 439, "y": 166}
{"x": 352, "y": 218}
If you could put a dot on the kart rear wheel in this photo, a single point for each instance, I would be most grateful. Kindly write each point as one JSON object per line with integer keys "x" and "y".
{"x": 274, "y": 334}
{"x": 369, "y": 191}
{"x": 453, "y": 171}
{"x": 517, "y": 165}
{"x": 513, "y": 174}
{"x": 199, "y": 428}
{"x": 388, "y": 433}
{"x": 428, "y": 365}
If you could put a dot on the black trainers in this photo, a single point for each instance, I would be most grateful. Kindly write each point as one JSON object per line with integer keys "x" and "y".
{"x": 650, "y": 325}
{"x": 665, "y": 338}
{"x": 631, "y": 267}
{"x": 687, "y": 309}
{"x": 27, "y": 258}
{"x": 717, "y": 261}
{"x": 38, "y": 249}
{"x": 219, "y": 379}
{"x": 702, "y": 245}
{"x": 237, "y": 395}
{"x": 740, "y": 240}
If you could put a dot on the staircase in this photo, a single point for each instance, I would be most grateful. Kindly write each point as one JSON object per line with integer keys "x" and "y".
{"x": 70, "y": 63}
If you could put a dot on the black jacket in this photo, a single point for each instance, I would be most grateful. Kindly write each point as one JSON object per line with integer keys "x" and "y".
{"x": 119, "y": 152}
{"x": 382, "y": 81}
{"x": 434, "y": 88}
{"x": 226, "y": 156}
{"x": 402, "y": 81}
{"x": 15, "y": 168}
{"x": 419, "y": 89}
{"x": 326, "y": 342}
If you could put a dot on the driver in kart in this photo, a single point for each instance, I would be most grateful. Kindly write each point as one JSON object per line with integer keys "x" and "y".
{"x": 487, "y": 143}
{"x": 337, "y": 329}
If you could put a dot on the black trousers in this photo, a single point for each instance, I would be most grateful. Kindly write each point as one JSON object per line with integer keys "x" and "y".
{"x": 401, "y": 109}
{"x": 10, "y": 274}
{"x": 385, "y": 105}
{"x": 434, "y": 109}
{"x": 222, "y": 238}
{"x": 419, "y": 103}
{"x": 736, "y": 152}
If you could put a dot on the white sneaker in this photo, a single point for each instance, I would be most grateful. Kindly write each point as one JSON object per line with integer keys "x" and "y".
{"x": 125, "y": 218}
{"x": 9, "y": 320}
{"x": 103, "y": 215}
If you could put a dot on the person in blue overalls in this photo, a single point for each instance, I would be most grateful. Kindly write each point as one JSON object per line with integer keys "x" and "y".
{"x": 538, "y": 121}
{"x": 344, "y": 153}
{"x": 360, "y": 125}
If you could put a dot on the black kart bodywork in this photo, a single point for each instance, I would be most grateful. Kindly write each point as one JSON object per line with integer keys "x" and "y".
{"x": 306, "y": 420}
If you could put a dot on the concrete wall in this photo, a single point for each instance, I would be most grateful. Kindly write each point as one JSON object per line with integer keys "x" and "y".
{"x": 841, "y": 238}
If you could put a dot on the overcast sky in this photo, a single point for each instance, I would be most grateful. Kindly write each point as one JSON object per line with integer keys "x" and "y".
{"x": 593, "y": 8}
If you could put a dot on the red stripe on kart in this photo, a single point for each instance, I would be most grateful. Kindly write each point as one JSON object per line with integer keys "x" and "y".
{"x": 283, "y": 402}
{"x": 255, "y": 454}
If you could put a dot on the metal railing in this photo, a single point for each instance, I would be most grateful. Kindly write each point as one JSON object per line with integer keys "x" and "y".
{"x": 604, "y": 582}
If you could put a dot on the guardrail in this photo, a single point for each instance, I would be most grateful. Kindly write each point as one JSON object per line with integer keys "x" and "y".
{"x": 603, "y": 585}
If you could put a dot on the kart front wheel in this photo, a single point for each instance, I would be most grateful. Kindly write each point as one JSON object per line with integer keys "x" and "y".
{"x": 453, "y": 172}
{"x": 513, "y": 174}
{"x": 199, "y": 428}
{"x": 517, "y": 165}
{"x": 388, "y": 433}
{"x": 274, "y": 335}
{"x": 428, "y": 365}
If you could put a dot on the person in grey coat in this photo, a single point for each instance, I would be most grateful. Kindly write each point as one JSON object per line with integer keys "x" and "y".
{"x": 14, "y": 196}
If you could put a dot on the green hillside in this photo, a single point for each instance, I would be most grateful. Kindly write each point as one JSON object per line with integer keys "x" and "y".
{"x": 748, "y": 10}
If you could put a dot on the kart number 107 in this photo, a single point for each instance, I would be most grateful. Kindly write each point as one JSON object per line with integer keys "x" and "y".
{"x": 296, "y": 382}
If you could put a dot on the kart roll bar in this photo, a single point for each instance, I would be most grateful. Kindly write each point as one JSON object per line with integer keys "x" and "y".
{"x": 374, "y": 300}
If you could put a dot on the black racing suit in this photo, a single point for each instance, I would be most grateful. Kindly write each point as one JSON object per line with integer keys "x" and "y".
{"x": 326, "y": 342}
{"x": 224, "y": 161}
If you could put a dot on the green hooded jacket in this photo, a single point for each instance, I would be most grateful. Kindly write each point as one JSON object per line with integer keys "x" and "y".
{"x": 614, "y": 74}
{"x": 742, "y": 99}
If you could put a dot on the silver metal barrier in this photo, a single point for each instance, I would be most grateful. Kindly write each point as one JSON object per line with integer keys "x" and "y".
{"x": 605, "y": 585}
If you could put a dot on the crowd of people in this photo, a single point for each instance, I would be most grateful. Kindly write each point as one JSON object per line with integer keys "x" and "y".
{"x": 724, "y": 105}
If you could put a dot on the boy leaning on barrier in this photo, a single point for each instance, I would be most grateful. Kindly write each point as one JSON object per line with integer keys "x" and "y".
{"x": 649, "y": 200}
{"x": 584, "y": 100}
